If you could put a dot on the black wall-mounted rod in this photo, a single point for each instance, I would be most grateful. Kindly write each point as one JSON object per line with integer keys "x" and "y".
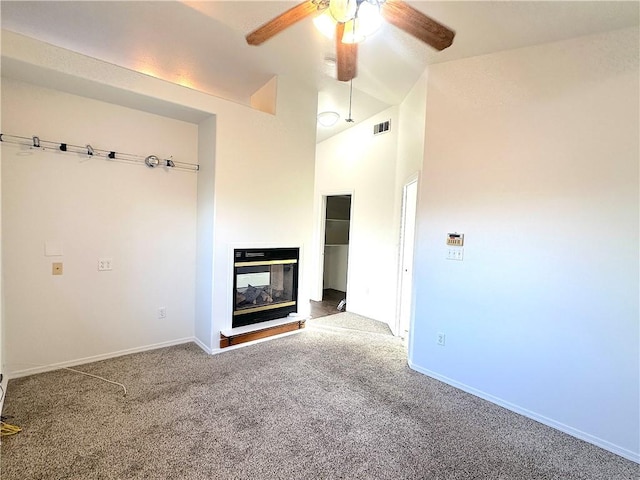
{"x": 36, "y": 143}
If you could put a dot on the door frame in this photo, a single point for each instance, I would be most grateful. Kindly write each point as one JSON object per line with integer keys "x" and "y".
{"x": 320, "y": 228}
{"x": 413, "y": 179}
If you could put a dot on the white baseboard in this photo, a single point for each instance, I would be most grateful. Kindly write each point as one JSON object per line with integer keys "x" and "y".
{"x": 34, "y": 368}
{"x": 201, "y": 344}
{"x": 604, "y": 444}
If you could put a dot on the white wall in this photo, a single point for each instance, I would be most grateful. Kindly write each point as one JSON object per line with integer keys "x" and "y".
{"x": 5, "y": 379}
{"x": 374, "y": 169}
{"x": 142, "y": 218}
{"x": 264, "y": 190}
{"x": 358, "y": 162}
{"x": 533, "y": 155}
{"x": 261, "y": 166}
{"x": 203, "y": 324}
{"x": 413, "y": 110}
{"x": 336, "y": 260}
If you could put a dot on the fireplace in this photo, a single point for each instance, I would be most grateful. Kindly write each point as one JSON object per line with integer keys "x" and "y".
{"x": 265, "y": 284}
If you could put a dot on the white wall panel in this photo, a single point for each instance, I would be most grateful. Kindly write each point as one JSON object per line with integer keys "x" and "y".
{"x": 357, "y": 161}
{"x": 533, "y": 155}
{"x": 90, "y": 208}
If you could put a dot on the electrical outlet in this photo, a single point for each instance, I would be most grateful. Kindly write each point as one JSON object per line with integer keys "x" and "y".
{"x": 105, "y": 264}
{"x": 162, "y": 312}
{"x": 440, "y": 338}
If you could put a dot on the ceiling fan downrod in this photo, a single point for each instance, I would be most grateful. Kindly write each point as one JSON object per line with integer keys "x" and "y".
{"x": 349, "y": 119}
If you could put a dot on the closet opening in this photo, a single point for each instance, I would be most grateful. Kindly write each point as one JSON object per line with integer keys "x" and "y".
{"x": 336, "y": 253}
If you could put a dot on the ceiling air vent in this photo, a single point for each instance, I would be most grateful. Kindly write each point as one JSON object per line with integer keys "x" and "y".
{"x": 381, "y": 127}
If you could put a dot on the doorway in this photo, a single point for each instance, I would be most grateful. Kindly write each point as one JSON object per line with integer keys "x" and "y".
{"x": 337, "y": 225}
{"x": 407, "y": 240}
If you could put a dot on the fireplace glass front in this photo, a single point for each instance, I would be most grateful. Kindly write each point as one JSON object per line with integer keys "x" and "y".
{"x": 265, "y": 284}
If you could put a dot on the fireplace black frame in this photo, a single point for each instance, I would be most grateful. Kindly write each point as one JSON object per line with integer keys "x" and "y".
{"x": 264, "y": 256}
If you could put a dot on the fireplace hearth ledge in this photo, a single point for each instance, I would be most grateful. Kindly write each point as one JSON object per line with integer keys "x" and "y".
{"x": 262, "y": 325}
{"x": 248, "y": 333}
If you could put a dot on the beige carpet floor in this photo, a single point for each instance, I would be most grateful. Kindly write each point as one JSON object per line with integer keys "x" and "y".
{"x": 336, "y": 401}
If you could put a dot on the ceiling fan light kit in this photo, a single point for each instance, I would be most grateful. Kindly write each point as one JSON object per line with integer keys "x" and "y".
{"x": 351, "y": 21}
{"x": 343, "y": 10}
{"x": 366, "y": 21}
{"x": 325, "y": 24}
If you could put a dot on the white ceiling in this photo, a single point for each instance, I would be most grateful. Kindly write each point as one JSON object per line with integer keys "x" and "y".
{"x": 200, "y": 44}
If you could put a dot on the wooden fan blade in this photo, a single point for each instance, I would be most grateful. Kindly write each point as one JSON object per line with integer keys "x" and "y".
{"x": 275, "y": 26}
{"x": 416, "y": 23}
{"x": 347, "y": 56}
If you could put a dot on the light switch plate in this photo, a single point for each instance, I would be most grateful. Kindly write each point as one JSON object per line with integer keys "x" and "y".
{"x": 105, "y": 264}
{"x": 455, "y": 253}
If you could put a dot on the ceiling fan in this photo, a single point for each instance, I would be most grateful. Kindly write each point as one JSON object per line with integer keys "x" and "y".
{"x": 345, "y": 13}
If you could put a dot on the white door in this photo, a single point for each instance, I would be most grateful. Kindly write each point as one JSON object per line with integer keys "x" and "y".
{"x": 408, "y": 228}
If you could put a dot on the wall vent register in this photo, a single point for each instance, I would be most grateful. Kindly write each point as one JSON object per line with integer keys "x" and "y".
{"x": 381, "y": 127}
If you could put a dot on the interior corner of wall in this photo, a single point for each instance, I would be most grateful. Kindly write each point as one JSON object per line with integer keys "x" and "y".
{"x": 264, "y": 99}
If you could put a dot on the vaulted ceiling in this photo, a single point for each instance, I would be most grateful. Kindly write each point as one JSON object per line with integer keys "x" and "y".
{"x": 201, "y": 44}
